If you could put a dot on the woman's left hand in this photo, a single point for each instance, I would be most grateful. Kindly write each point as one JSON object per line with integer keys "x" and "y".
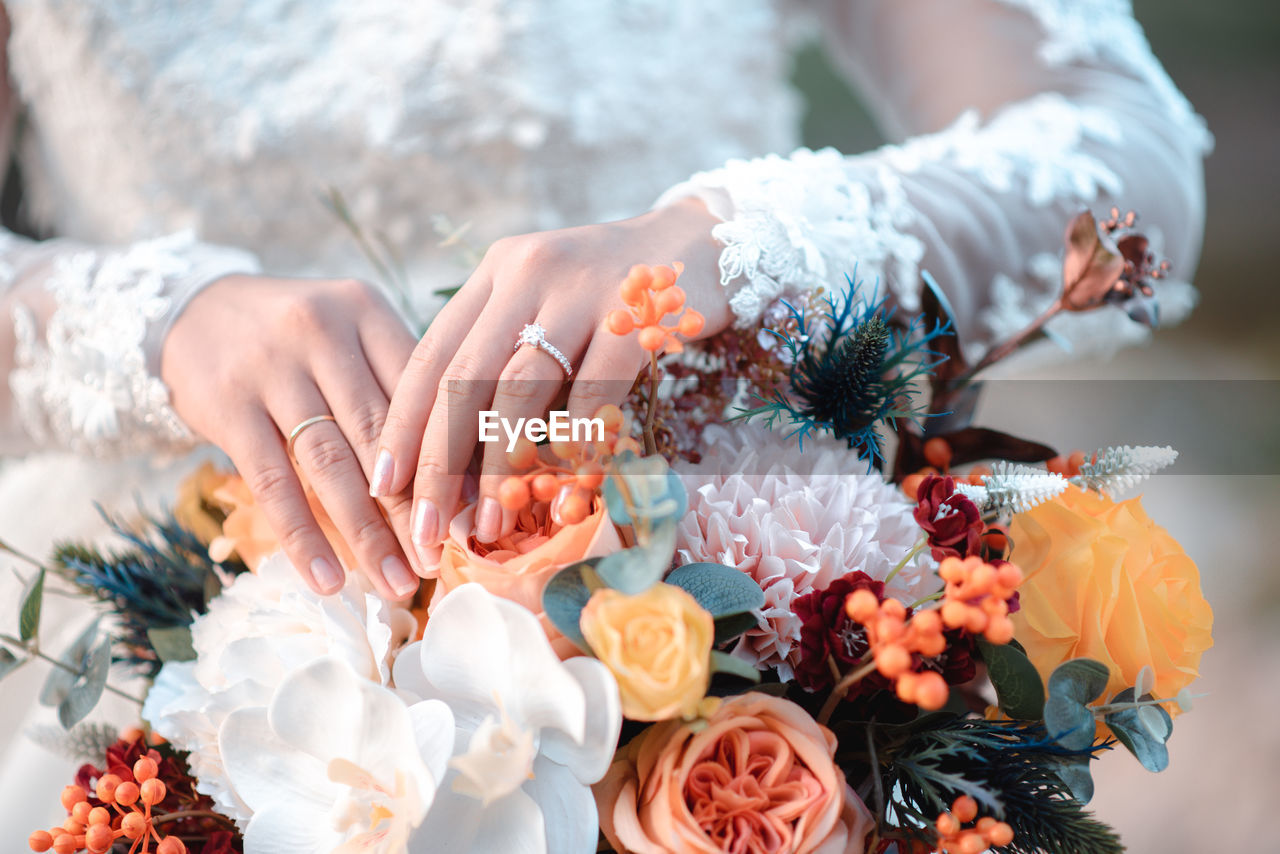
{"x": 567, "y": 281}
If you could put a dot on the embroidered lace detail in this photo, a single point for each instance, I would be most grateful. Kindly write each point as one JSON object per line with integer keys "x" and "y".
{"x": 799, "y": 222}
{"x": 1092, "y": 31}
{"x": 87, "y": 385}
{"x": 1039, "y": 143}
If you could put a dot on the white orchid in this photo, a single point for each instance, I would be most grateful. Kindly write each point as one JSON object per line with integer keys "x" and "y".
{"x": 533, "y": 733}
{"x": 337, "y": 764}
{"x": 261, "y": 628}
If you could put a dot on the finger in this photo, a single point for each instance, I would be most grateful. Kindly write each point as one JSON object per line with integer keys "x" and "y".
{"x": 608, "y": 371}
{"x": 327, "y": 461}
{"x": 388, "y": 345}
{"x": 466, "y": 387}
{"x": 268, "y": 473}
{"x": 529, "y": 384}
{"x": 347, "y": 382}
{"x": 412, "y": 400}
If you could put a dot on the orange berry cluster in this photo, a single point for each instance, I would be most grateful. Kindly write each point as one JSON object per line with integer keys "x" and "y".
{"x": 96, "y": 829}
{"x": 572, "y": 481}
{"x": 650, "y": 294}
{"x": 976, "y": 597}
{"x": 1068, "y": 466}
{"x": 938, "y": 453}
{"x": 892, "y": 637}
{"x": 953, "y": 838}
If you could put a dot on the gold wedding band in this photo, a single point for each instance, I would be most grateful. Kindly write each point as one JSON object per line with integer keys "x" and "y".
{"x": 303, "y": 425}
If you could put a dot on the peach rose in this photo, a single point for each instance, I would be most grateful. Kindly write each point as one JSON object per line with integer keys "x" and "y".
{"x": 196, "y": 508}
{"x": 518, "y": 567}
{"x": 759, "y": 776}
{"x": 1103, "y": 581}
{"x": 657, "y": 644}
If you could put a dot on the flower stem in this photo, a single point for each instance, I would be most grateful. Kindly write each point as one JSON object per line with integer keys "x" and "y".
{"x": 842, "y": 687}
{"x": 915, "y": 550}
{"x": 650, "y": 442}
{"x": 79, "y": 674}
{"x": 932, "y": 597}
{"x": 996, "y": 354}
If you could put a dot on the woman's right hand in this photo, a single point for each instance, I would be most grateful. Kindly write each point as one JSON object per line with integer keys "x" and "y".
{"x": 252, "y": 357}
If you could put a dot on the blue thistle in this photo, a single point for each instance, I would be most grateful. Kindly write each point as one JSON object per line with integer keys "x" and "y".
{"x": 851, "y": 369}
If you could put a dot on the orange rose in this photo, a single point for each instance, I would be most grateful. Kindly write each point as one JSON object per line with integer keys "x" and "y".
{"x": 247, "y": 533}
{"x": 518, "y": 567}
{"x": 196, "y": 509}
{"x": 657, "y": 644}
{"x": 758, "y": 776}
{"x": 1103, "y": 581}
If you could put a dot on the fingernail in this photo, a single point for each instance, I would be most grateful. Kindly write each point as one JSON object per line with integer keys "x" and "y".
{"x": 425, "y": 522}
{"x": 328, "y": 576}
{"x": 488, "y": 520}
{"x": 399, "y": 577}
{"x": 383, "y": 468}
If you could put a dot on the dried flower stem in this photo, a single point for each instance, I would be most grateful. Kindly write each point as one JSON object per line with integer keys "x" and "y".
{"x": 186, "y": 814}
{"x": 842, "y": 687}
{"x": 35, "y": 651}
{"x": 997, "y": 353}
{"x": 650, "y": 441}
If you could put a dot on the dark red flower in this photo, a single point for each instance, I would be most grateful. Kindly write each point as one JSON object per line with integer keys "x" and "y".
{"x": 951, "y": 520}
{"x": 827, "y": 632}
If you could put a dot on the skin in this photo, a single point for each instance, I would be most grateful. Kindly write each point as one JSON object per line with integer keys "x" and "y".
{"x": 388, "y": 463}
{"x": 567, "y": 280}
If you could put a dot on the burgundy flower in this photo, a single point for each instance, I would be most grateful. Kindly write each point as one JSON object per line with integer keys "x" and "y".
{"x": 827, "y": 632}
{"x": 951, "y": 520}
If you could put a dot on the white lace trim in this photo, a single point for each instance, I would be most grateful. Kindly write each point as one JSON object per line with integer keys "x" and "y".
{"x": 87, "y": 386}
{"x": 1091, "y": 31}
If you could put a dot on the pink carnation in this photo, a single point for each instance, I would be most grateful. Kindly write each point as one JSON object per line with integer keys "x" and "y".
{"x": 795, "y": 521}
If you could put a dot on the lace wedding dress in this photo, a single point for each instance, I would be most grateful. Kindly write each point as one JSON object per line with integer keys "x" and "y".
{"x": 168, "y": 143}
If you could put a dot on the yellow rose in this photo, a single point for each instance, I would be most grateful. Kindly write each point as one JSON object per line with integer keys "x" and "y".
{"x": 658, "y": 646}
{"x": 1105, "y": 582}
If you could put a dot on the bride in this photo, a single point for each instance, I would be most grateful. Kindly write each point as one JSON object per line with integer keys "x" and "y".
{"x": 195, "y": 290}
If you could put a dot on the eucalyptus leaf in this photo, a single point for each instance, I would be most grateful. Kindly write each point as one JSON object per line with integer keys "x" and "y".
{"x": 87, "y": 690}
{"x": 722, "y": 662}
{"x": 638, "y": 568}
{"x": 1072, "y": 686}
{"x": 59, "y": 682}
{"x": 721, "y": 590}
{"x": 728, "y": 628}
{"x": 1019, "y": 690}
{"x": 9, "y": 662}
{"x": 643, "y": 490}
{"x": 1074, "y": 773}
{"x": 1142, "y": 735}
{"x": 29, "y": 615}
{"x": 172, "y": 643}
{"x": 564, "y": 597}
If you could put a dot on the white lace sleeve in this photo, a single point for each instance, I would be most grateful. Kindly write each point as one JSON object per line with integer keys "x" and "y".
{"x": 1015, "y": 114}
{"x": 88, "y": 324}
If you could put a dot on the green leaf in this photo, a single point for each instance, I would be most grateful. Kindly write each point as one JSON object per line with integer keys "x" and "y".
{"x": 59, "y": 683}
{"x": 1018, "y": 687}
{"x": 638, "y": 568}
{"x": 9, "y": 662}
{"x": 728, "y": 628}
{"x": 722, "y": 662}
{"x": 29, "y": 616}
{"x": 564, "y": 597}
{"x": 1072, "y": 686}
{"x": 722, "y": 590}
{"x": 172, "y": 643}
{"x": 643, "y": 489}
{"x": 1075, "y": 774}
{"x": 1144, "y": 735}
{"x": 87, "y": 690}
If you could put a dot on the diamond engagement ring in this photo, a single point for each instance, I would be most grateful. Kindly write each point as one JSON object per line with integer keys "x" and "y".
{"x": 535, "y": 336}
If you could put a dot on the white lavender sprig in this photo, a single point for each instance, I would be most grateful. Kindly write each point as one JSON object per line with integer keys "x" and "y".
{"x": 1121, "y": 468}
{"x": 1013, "y": 487}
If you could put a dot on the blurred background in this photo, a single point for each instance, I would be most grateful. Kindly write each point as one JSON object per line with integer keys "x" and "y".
{"x": 1209, "y": 388}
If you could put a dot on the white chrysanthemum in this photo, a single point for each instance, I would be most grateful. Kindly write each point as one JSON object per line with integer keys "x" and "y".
{"x": 795, "y": 521}
{"x": 263, "y": 627}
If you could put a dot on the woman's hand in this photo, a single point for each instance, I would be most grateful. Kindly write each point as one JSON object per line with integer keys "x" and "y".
{"x": 251, "y": 358}
{"x": 567, "y": 281}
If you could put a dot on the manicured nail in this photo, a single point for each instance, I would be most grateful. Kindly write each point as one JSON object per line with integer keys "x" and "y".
{"x": 425, "y": 522}
{"x": 328, "y": 576}
{"x": 488, "y": 520}
{"x": 399, "y": 577}
{"x": 383, "y": 468}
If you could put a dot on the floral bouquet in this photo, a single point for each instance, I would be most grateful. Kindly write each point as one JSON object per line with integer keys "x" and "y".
{"x": 699, "y": 638}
